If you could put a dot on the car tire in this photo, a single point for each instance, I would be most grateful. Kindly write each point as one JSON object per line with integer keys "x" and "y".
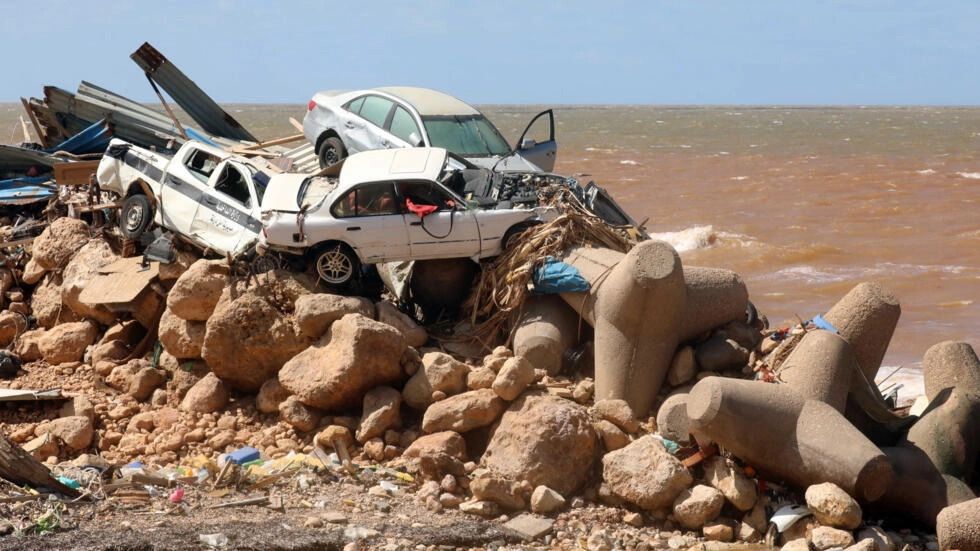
{"x": 508, "y": 240}
{"x": 135, "y": 217}
{"x": 336, "y": 265}
{"x": 331, "y": 151}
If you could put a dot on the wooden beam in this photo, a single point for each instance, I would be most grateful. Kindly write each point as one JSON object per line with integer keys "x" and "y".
{"x": 296, "y": 124}
{"x": 37, "y": 126}
{"x": 277, "y": 141}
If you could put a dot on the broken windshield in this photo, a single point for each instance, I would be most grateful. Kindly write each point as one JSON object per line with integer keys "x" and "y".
{"x": 314, "y": 189}
{"x": 472, "y": 136}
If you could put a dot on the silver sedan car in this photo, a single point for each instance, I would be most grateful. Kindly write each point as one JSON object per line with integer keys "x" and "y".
{"x": 339, "y": 123}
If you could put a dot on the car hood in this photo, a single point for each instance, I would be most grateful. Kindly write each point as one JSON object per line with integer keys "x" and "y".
{"x": 500, "y": 164}
{"x": 282, "y": 193}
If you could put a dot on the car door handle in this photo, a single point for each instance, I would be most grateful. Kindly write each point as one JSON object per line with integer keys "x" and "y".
{"x": 174, "y": 181}
{"x": 354, "y": 228}
{"x": 349, "y": 124}
{"x": 419, "y": 223}
{"x": 210, "y": 200}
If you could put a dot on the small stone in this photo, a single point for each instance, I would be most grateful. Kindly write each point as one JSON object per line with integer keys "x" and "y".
{"x": 633, "y": 519}
{"x": 825, "y": 537}
{"x": 544, "y": 500}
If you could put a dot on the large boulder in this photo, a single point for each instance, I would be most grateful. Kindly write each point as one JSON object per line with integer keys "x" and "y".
{"x": 441, "y": 372}
{"x": 354, "y": 356}
{"x": 415, "y": 334}
{"x": 251, "y": 333}
{"x": 75, "y": 432}
{"x": 207, "y": 395}
{"x": 11, "y": 325}
{"x": 82, "y": 269}
{"x": 67, "y": 342}
{"x": 182, "y": 338}
{"x": 315, "y": 312}
{"x": 381, "y": 411}
{"x": 543, "y": 439}
{"x": 46, "y": 305}
{"x": 646, "y": 474}
{"x": 464, "y": 412}
{"x": 59, "y": 242}
{"x": 197, "y": 291}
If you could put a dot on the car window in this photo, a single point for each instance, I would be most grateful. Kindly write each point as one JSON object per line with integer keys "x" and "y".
{"x": 367, "y": 200}
{"x": 355, "y": 106}
{"x": 426, "y": 193}
{"x": 466, "y": 136}
{"x": 375, "y": 109}
{"x": 403, "y": 126}
{"x": 231, "y": 182}
{"x": 201, "y": 164}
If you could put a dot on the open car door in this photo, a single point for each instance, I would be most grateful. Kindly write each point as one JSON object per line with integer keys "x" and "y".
{"x": 539, "y": 147}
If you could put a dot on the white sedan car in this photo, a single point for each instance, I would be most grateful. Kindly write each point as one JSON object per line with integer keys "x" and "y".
{"x": 342, "y": 122}
{"x": 385, "y": 205}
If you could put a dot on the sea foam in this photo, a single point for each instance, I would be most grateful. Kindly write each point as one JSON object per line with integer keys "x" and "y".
{"x": 697, "y": 237}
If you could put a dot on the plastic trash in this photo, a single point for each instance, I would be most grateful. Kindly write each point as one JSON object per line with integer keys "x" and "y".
{"x": 389, "y": 487}
{"x": 788, "y": 515}
{"x": 177, "y": 495}
{"x": 69, "y": 482}
{"x": 243, "y": 455}
{"x": 213, "y": 540}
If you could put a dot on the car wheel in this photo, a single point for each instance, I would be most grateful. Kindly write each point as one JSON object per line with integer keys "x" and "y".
{"x": 332, "y": 150}
{"x": 135, "y": 216}
{"x": 517, "y": 229}
{"x": 336, "y": 264}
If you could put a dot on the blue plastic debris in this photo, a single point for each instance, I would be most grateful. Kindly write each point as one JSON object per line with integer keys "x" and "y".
{"x": 243, "y": 455}
{"x": 554, "y": 276}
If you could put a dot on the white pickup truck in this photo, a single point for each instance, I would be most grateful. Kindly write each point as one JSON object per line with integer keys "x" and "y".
{"x": 204, "y": 194}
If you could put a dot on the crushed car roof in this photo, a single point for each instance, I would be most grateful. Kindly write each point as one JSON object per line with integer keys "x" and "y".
{"x": 378, "y": 165}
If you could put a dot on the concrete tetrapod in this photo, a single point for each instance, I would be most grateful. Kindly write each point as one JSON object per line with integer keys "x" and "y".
{"x": 787, "y": 437}
{"x": 947, "y": 432}
{"x": 918, "y": 489}
{"x": 635, "y": 305}
{"x": 948, "y": 364}
{"x": 958, "y": 526}
{"x": 819, "y": 368}
{"x": 545, "y": 330}
{"x": 866, "y": 318}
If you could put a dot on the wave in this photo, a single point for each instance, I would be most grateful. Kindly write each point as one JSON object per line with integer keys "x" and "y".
{"x": 925, "y": 172}
{"x": 969, "y": 175}
{"x": 697, "y": 237}
{"x": 628, "y": 162}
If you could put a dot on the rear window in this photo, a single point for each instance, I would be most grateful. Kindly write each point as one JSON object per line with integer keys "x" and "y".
{"x": 471, "y": 136}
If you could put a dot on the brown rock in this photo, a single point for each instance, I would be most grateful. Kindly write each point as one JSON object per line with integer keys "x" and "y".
{"x": 207, "y": 395}
{"x": 833, "y": 507}
{"x": 144, "y": 381}
{"x": 356, "y": 355}
{"x": 645, "y": 473}
{"x": 415, "y": 335}
{"x": 46, "y": 305}
{"x": 197, "y": 291}
{"x": 825, "y": 537}
{"x": 613, "y": 438}
{"x": 440, "y": 372}
{"x": 181, "y": 338}
{"x": 481, "y": 377}
{"x": 315, "y": 312}
{"x": 327, "y": 436}
{"x": 299, "y": 415}
{"x": 82, "y": 269}
{"x": 75, "y": 432}
{"x": 545, "y": 440}
{"x": 111, "y": 351}
{"x": 463, "y": 412}
{"x": 270, "y": 396}
{"x": 67, "y": 342}
{"x": 11, "y": 325}
{"x": 250, "y": 337}
{"x": 59, "y": 242}
{"x": 28, "y": 345}
{"x": 724, "y": 475}
{"x": 380, "y": 413}
{"x": 79, "y": 405}
{"x": 698, "y": 505}
{"x": 515, "y": 375}
{"x": 498, "y": 490}
{"x": 617, "y": 412}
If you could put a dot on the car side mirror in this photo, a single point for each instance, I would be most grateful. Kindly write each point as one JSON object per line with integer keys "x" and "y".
{"x": 528, "y": 143}
{"x": 415, "y": 140}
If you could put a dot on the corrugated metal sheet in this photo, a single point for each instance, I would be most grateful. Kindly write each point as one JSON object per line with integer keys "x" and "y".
{"x": 94, "y": 139}
{"x": 18, "y": 161}
{"x": 304, "y": 159}
{"x": 188, "y": 95}
{"x": 24, "y": 191}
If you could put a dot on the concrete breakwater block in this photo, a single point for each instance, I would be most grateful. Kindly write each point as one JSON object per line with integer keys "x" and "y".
{"x": 636, "y": 305}
{"x": 918, "y": 489}
{"x": 958, "y": 526}
{"x": 642, "y": 305}
{"x": 950, "y": 364}
{"x": 866, "y": 318}
{"x": 545, "y": 330}
{"x": 820, "y": 368}
{"x": 787, "y": 437}
{"x": 947, "y": 432}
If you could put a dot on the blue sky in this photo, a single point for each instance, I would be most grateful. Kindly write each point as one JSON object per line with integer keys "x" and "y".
{"x": 818, "y": 52}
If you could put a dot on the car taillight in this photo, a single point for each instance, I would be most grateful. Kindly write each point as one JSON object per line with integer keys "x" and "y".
{"x": 311, "y": 105}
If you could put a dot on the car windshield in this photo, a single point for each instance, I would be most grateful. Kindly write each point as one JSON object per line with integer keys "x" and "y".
{"x": 469, "y": 136}
{"x": 314, "y": 189}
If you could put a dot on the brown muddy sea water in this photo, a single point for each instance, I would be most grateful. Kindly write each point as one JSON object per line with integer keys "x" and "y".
{"x": 803, "y": 202}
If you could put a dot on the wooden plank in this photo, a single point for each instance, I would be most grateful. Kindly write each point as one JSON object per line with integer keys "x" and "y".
{"x": 37, "y": 126}
{"x": 129, "y": 265}
{"x": 74, "y": 174}
{"x": 296, "y": 124}
{"x": 122, "y": 286}
{"x": 277, "y": 141}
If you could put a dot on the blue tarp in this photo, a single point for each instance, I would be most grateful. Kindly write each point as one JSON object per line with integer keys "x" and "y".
{"x": 554, "y": 276}
{"x": 22, "y": 191}
{"x": 94, "y": 139}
